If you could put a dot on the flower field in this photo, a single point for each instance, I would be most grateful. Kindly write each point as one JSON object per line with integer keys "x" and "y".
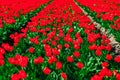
{"x": 59, "y": 40}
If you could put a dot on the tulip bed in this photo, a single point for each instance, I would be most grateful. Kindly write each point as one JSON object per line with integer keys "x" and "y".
{"x": 55, "y": 40}
{"x": 13, "y": 18}
{"x": 104, "y": 12}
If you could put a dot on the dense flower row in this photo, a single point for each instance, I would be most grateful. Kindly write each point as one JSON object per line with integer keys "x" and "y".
{"x": 105, "y": 9}
{"x": 13, "y": 9}
{"x": 63, "y": 42}
{"x": 21, "y": 21}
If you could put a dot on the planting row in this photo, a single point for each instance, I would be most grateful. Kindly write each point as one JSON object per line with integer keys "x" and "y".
{"x": 19, "y": 14}
{"x": 13, "y": 9}
{"x": 104, "y": 12}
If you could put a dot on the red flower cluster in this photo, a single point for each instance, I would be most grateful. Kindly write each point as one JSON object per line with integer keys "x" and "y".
{"x": 46, "y": 70}
{"x": 64, "y": 76}
{"x": 58, "y": 65}
{"x": 7, "y": 47}
{"x": 117, "y": 59}
{"x": 19, "y": 60}
{"x": 70, "y": 59}
{"x": 104, "y": 64}
{"x": 20, "y": 75}
{"x": 109, "y": 57}
{"x": 38, "y": 60}
{"x": 52, "y": 59}
{"x": 17, "y": 36}
{"x": 118, "y": 76}
{"x": 92, "y": 37}
{"x": 34, "y": 40}
{"x": 31, "y": 49}
{"x": 105, "y": 45}
{"x": 80, "y": 65}
{"x": 102, "y": 73}
{"x": 76, "y": 54}
{"x": 48, "y": 50}
{"x": 116, "y": 25}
